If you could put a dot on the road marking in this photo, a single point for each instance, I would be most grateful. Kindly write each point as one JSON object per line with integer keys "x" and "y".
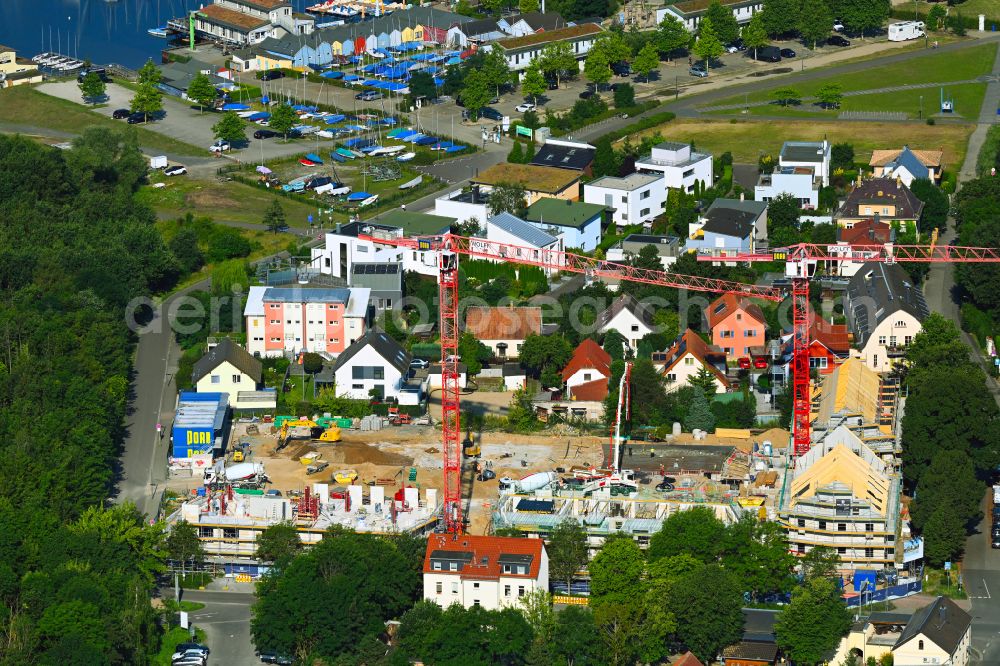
{"x": 987, "y": 589}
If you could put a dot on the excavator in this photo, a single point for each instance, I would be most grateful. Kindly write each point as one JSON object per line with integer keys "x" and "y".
{"x": 290, "y": 430}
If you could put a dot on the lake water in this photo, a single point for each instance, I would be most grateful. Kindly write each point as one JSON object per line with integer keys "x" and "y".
{"x": 105, "y": 32}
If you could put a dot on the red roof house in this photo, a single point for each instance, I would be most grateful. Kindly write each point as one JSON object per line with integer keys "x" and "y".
{"x": 589, "y": 365}
{"x": 737, "y": 324}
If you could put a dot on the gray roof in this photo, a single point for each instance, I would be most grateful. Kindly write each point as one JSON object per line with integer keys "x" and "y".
{"x": 311, "y": 295}
{"x": 377, "y": 276}
{"x": 754, "y": 207}
{"x": 227, "y": 350}
{"x": 625, "y": 302}
{"x": 383, "y": 345}
{"x": 878, "y": 291}
{"x": 480, "y": 27}
{"x": 527, "y": 232}
{"x": 803, "y": 151}
{"x": 539, "y": 21}
{"x": 729, "y": 222}
{"x": 907, "y": 159}
{"x": 628, "y": 183}
{"x": 758, "y": 624}
{"x": 942, "y": 622}
{"x": 671, "y": 145}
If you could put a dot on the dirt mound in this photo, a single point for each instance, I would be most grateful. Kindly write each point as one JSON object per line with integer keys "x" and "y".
{"x": 355, "y": 453}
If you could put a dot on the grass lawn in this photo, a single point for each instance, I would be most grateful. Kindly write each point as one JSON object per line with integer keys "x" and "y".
{"x": 746, "y": 139}
{"x": 221, "y": 201}
{"x": 968, "y": 100}
{"x": 24, "y": 105}
{"x": 171, "y": 639}
{"x": 935, "y": 67}
{"x": 969, "y": 8}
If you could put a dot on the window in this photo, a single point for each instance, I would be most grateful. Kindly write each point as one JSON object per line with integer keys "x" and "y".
{"x": 875, "y": 360}
{"x": 358, "y": 387}
{"x": 506, "y": 590}
{"x": 275, "y": 321}
{"x": 475, "y": 602}
{"x": 624, "y": 199}
{"x": 206, "y": 532}
{"x": 920, "y": 645}
{"x": 644, "y": 195}
{"x": 841, "y": 550}
{"x": 635, "y": 328}
{"x": 869, "y": 527}
{"x": 437, "y": 587}
{"x": 273, "y": 306}
{"x": 454, "y": 588}
{"x": 869, "y": 552}
{"x": 644, "y": 212}
{"x": 802, "y": 522}
{"x": 907, "y": 339}
{"x": 586, "y": 376}
{"x": 229, "y": 533}
{"x": 801, "y": 547}
{"x": 739, "y": 316}
{"x": 475, "y": 586}
{"x": 436, "y": 566}
{"x": 900, "y": 324}
{"x": 671, "y": 377}
{"x": 822, "y": 524}
{"x": 881, "y": 340}
{"x": 216, "y": 379}
{"x": 520, "y": 590}
{"x": 688, "y": 361}
{"x": 841, "y": 527}
{"x": 236, "y": 379}
{"x": 749, "y": 333}
{"x": 892, "y": 340}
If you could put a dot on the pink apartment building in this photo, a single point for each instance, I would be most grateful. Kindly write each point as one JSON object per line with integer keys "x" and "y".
{"x": 282, "y": 320}
{"x": 736, "y": 324}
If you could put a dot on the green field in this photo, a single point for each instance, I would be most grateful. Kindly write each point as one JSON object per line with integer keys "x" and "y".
{"x": 24, "y": 105}
{"x": 969, "y": 8}
{"x": 932, "y": 68}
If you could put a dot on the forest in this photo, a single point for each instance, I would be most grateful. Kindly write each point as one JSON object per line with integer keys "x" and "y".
{"x": 75, "y": 249}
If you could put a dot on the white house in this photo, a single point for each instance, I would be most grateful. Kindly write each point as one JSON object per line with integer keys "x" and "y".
{"x": 635, "y": 199}
{"x": 231, "y": 370}
{"x": 939, "y": 633}
{"x": 685, "y": 359}
{"x": 907, "y": 164}
{"x": 589, "y": 363}
{"x": 434, "y": 376}
{"x": 885, "y": 310}
{"x": 800, "y": 182}
{"x": 464, "y": 205}
{"x": 689, "y": 12}
{"x": 680, "y": 165}
{"x": 487, "y": 571}
{"x": 576, "y": 223}
{"x": 813, "y": 155}
{"x": 531, "y": 243}
{"x": 522, "y": 51}
{"x": 666, "y": 246}
{"x": 251, "y": 21}
{"x": 375, "y": 365}
{"x": 342, "y": 248}
{"x": 519, "y": 25}
{"x": 629, "y": 317}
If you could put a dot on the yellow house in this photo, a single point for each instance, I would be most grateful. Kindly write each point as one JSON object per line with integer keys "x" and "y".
{"x": 14, "y": 71}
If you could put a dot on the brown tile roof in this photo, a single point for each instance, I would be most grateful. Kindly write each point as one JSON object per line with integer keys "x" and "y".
{"x": 690, "y": 342}
{"x": 588, "y": 354}
{"x": 688, "y": 660}
{"x": 485, "y": 552}
{"x": 547, "y": 36}
{"x": 594, "y": 391}
{"x": 531, "y": 177}
{"x": 231, "y": 18}
{"x": 752, "y": 651}
{"x": 727, "y": 304}
{"x": 832, "y": 336}
{"x": 878, "y": 191}
{"x": 503, "y": 323}
{"x": 929, "y": 158}
{"x": 265, "y": 5}
{"x": 866, "y": 232}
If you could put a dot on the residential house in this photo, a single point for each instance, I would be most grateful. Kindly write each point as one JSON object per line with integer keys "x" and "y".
{"x": 848, "y": 394}
{"x": 479, "y": 31}
{"x": 637, "y": 198}
{"x": 575, "y": 223}
{"x": 885, "y": 310}
{"x": 737, "y": 324}
{"x": 688, "y": 659}
{"x": 750, "y": 653}
{"x": 881, "y": 199}
{"x": 383, "y": 279}
{"x": 229, "y": 369}
{"x": 538, "y": 181}
{"x": 347, "y": 244}
{"x": 434, "y": 376}
{"x": 667, "y": 247}
{"x": 288, "y": 320}
{"x": 503, "y": 329}
{"x": 16, "y": 71}
{"x": 907, "y": 164}
{"x": 570, "y": 155}
{"x": 729, "y": 227}
{"x": 589, "y": 364}
{"x": 487, "y": 571}
{"x": 175, "y": 77}
{"x": 687, "y": 357}
{"x": 522, "y": 51}
{"x": 529, "y": 23}
{"x": 232, "y": 26}
{"x": 377, "y": 366}
{"x": 465, "y": 205}
{"x": 680, "y": 165}
{"x": 742, "y": 209}
{"x": 689, "y": 12}
{"x": 812, "y": 155}
{"x": 519, "y": 239}
{"x": 629, "y": 317}
{"x": 854, "y": 244}
{"x": 829, "y": 348}
{"x": 800, "y": 182}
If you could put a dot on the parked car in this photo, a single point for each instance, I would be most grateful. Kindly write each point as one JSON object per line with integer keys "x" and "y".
{"x": 699, "y": 71}
{"x": 271, "y": 75}
{"x": 264, "y": 134}
{"x": 553, "y": 84}
{"x": 273, "y": 492}
{"x": 768, "y": 54}
{"x": 119, "y": 114}
{"x": 621, "y": 68}
{"x": 175, "y": 170}
{"x": 220, "y": 146}
{"x": 368, "y": 96}
{"x": 587, "y": 94}
{"x": 275, "y": 658}
{"x": 419, "y": 364}
{"x": 524, "y": 106}
{"x": 837, "y": 40}
{"x": 137, "y": 118}
{"x": 491, "y": 113}
{"x": 193, "y": 646}
{"x": 838, "y": 26}
{"x": 787, "y": 53}
{"x": 189, "y": 655}
{"x": 732, "y": 48}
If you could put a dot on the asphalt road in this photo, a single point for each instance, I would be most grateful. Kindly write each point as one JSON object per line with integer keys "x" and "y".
{"x": 226, "y": 622}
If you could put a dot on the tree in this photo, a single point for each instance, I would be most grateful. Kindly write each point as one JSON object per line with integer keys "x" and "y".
{"x": 646, "y": 61}
{"x": 863, "y": 15}
{"x": 183, "y": 544}
{"x": 516, "y": 154}
{"x": 699, "y": 416}
{"x": 557, "y": 59}
{"x": 815, "y": 21}
{"x": 575, "y": 639}
{"x": 780, "y": 17}
{"x": 274, "y": 218}
{"x": 526, "y": 6}
{"x": 533, "y": 85}
{"x": 149, "y": 74}
{"x": 624, "y": 96}
{"x": 508, "y": 198}
{"x": 476, "y": 92}
{"x": 615, "y": 345}
{"x": 944, "y": 536}
{"x": 705, "y": 381}
{"x": 230, "y": 276}
{"x": 92, "y": 87}
{"x": 671, "y": 35}
{"x": 184, "y": 247}
{"x": 312, "y": 363}
{"x": 280, "y": 543}
{"x": 567, "y": 549}
{"x": 695, "y": 533}
{"x": 936, "y": 205}
{"x": 615, "y": 573}
{"x": 422, "y": 85}
{"x": 707, "y": 604}
{"x": 473, "y": 353}
{"x": 496, "y": 70}
{"x": 949, "y": 479}
{"x": 596, "y": 68}
{"x": 813, "y": 623}
{"x": 936, "y": 16}
{"x": 147, "y": 100}
{"x": 829, "y": 96}
{"x": 820, "y": 562}
{"x": 283, "y": 119}
{"x": 607, "y": 160}
{"x": 521, "y": 416}
{"x": 755, "y": 34}
{"x": 842, "y": 156}
{"x": 708, "y": 45}
{"x": 723, "y": 22}
{"x": 613, "y": 46}
{"x": 202, "y": 91}
{"x": 230, "y": 128}
{"x": 786, "y": 96}
{"x": 529, "y": 152}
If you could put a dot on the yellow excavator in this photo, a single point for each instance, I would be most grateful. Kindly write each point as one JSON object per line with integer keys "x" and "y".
{"x": 331, "y": 434}
{"x": 286, "y": 434}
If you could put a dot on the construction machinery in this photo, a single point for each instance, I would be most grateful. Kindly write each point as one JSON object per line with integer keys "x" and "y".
{"x": 331, "y": 434}
{"x": 397, "y": 417}
{"x": 470, "y": 447}
{"x": 297, "y": 429}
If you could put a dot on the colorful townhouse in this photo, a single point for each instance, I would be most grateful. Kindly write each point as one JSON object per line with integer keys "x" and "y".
{"x": 736, "y": 324}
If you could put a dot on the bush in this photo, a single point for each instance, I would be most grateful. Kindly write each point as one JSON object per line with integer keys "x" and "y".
{"x": 624, "y": 96}
{"x": 988, "y": 154}
{"x": 930, "y": 121}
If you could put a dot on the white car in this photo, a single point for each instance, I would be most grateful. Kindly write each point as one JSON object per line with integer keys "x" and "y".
{"x": 220, "y": 146}
{"x": 525, "y": 106}
{"x": 419, "y": 364}
{"x": 838, "y": 26}
{"x": 175, "y": 170}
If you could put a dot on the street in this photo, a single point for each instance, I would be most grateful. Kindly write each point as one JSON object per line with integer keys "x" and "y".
{"x": 225, "y": 620}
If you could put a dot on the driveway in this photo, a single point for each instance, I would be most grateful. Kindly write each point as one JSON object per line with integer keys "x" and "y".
{"x": 225, "y": 620}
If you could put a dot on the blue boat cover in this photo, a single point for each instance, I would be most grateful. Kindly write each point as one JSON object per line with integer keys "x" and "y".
{"x": 358, "y": 196}
{"x": 337, "y": 157}
{"x": 396, "y": 132}
{"x": 332, "y": 74}
{"x": 438, "y": 81}
{"x": 260, "y": 115}
{"x": 351, "y": 77}
{"x": 454, "y": 60}
{"x": 454, "y": 149}
{"x": 313, "y": 157}
{"x": 304, "y": 108}
{"x": 427, "y": 141}
{"x": 335, "y": 118}
{"x": 235, "y": 107}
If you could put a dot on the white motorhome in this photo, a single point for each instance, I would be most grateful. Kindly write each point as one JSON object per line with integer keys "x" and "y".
{"x": 900, "y": 32}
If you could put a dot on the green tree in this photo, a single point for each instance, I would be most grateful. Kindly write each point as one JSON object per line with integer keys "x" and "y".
{"x": 201, "y": 91}
{"x": 279, "y": 543}
{"x": 149, "y": 74}
{"x": 694, "y": 532}
{"x": 516, "y": 154}
{"x": 607, "y": 160}
{"x": 815, "y": 21}
{"x": 613, "y": 46}
{"x": 830, "y": 95}
{"x": 813, "y": 623}
{"x": 707, "y": 605}
{"x": 575, "y": 639}
{"x": 529, "y": 152}
{"x": 283, "y": 119}
{"x": 473, "y": 353}
{"x": 936, "y": 205}
{"x": 183, "y": 545}
{"x": 476, "y": 92}
{"x": 820, "y": 562}
{"x": 699, "y": 416}
{"x": 508, "y": 198}
{"x": 557, "y": 60}
{"x": 521, "y": 416}
{"x": 533, "y": 84}
{"x": 671, "y": 35}
{"x": 944, "y": 536}
{"x": 780, "y": 17}
{"x": 842, "y": 155}
{"x": 756, "y": 553}
{"x": 274, "y": 218}
{"x": 949, "y": 479}
{"x": 755, "y": 34}
{"x": 92, "y": 87}
{"x": 704, "y": 380}
{"x": 646, "y": 61}
{"x": 230, "y": 276}
{"x": 147, "y": 100}
{"x": 863, "y": 15}
{"x": 184, "y": 246}
{"x": 723, "y": 22}
{"x": 496, "y": 70}
{"x": 422, "y": 85}
{"x": 624, "y": 96}
{"x": 786, "y": 96}
{"x": 526, "y": 6}
{"x": 935, "y": 17}
{"x": 312, "y": 363}
{"x": 615, "y": 573}
{"x": 708, "y": 45}
{"x": 230, "y": 128}
{"x": 596, "y": 69}
{"x": 615, "y": 345}
{"x": 567, "y": 549}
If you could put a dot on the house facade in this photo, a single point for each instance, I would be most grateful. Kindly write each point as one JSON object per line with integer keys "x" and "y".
{"x": 689, "y": 12}
{"x": 289, "y": 320}
{"x": 526, "y": 241}
{"x": 576, "y": 223}
{"x": 589, "y": 363}
{"x": 907, "y": 164}
{"x": 799, "y": 182}
{"x": 812, "y": 155}
{"x": 503, "y": 329}
{"x": 687, "y": 357}
{"x": 384, "y": 282}
{"x": 229, "y": 369}
{"x": 529, "y": 23}
{"x": 680, "y": 165}
{"x": 350, "y": 244}
{"x": 463, "y": 205}
{"x": 486, "y": 571}
{"x": 736, "y": 324}
{"x": 520, "y": 52}
{"x": 375, "y": 365}
{"x": 885, "y": 311}
{"x": 725, "y": 231}
{"x": 637, "y": 198}
{"x": 880, "y": 199}
{"x": 852, "y": 244}
{"x": 629, "y": 317}
{"x": 16, "y": 71}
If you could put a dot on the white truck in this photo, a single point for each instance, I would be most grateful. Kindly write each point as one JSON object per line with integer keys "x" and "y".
{"x": 900, "y": 32}
{"x": 158, "y": 162}
{"x": 240, "y": 475}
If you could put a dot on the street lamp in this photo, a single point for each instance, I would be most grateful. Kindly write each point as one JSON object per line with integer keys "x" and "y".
{"x": 921, "y": 107}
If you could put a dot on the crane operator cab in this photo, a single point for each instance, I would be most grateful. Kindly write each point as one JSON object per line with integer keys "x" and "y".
{"x": 448, "y": 261}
